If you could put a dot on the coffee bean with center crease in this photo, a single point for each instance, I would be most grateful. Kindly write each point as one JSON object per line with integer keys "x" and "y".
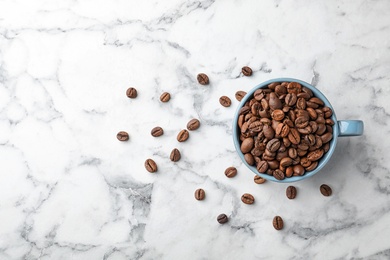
{"x": 262, "y": 166}
{"x": 122, "y": 136}
{"x": 150, "y": 165}
{"x": 277, "y": 223}
{"x": 203, "y": 79}
{"x": 183, "y": 135}
{"x": 291, "y": 192}
{"x": 231, "y": 172}
{"x": 259, "y": 180}
{"x": 273, "y": 145}
{"x": 247, "y": 198}
{"x": 175, "y": 155}
{"x": 225, "y": 101}
{"x": 222, "y": 218}
{"x": 199, "y": 194}
{"x": 193, "y": 124}
{"x": 246, "y": 71}
{"x": 165, "y": 97}
{"x": 131, "y": 93}
{"x": 315, "y": 155}
{"x": 240, "y": 95}
{"x": 279, "y": 174}
{"x": 325, "y": 190}
{"x": 157, "y": 131}
{"x": 294, "y": 136}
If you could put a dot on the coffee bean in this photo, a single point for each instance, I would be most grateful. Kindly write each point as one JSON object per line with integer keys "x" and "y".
{"x": 231, "y": 172}
{"x": 326, "y": 137}
{"x": 277, "y": 115}
{"x": 317, "y": 101}
{"x": 150, "y": 165}
{"x": 247, "y": 145}
{"x": 203, "y": 79}
{"x": 193, "y": 124}
{"x": 315, "y": 155}
{"x": 294, "y": 136}
{"x": 286, "y": 161}
{"x": 274, "y": 101}
{"x": 165, "y": 97}
{"x": 312, "y": 166}
{"x": 247, "y": 198}
{"x": 122, "y": 136}
{"x": 222, "y": 219}
{"x": 277, "y": 223}
{"x": 289, "y": 171}
{"x": 325, "y": 190}
{"x": 278, "y": 174}
{"x": 291, "y": 192}
{"x": 131, "y": 93}
{"x": 298, "y": 170}
{"x": 199, "y": 194}
{"x": 259, "y": 180}
{"x": 262, "y": 166}
{"x": 157, "y": 131}
{"x": 246, "y": 71}
{"x": 175, "y": 155}
{"x": 294, "y": 87}
{"x": 183, "y": 135}
{"x": 259, "y": 94}
{"x": 225, "y": 101}
{"x": 273, "y": 145}
{"x": 249, "y": 159}
{"x": 327, "y": 112}
{"x": 240, "y": 95}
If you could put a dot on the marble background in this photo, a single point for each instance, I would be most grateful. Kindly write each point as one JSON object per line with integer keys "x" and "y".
{"x": 70, "y": 190}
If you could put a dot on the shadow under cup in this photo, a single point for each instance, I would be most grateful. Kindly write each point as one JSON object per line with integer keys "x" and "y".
{"x": 340, "y": 128}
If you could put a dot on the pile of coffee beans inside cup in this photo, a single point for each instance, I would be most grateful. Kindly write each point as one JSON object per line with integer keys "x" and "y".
{"x": 285, "y": 130}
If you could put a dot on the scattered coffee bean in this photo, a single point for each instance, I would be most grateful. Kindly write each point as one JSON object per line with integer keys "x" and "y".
{"x": 183, "y": 135}
{"x": 165, "y": 97}
{"x": 175, "y": 155}
{"x": 291, "y": 192}
{"x": 122, "y": 136}
{"x": 199, "y": 194}
{"x": 325, "y": 190}
{"x": 157, "y": 131}
{"x": 240, "y": 95}
{"x": 193, "y": 124}
{"x": 225, "y": 101}
{"x": 285, "y": 128}
{"x": 203, "y": 79}
{"x": 231, "y": 172}
{"x": 246, "y": 71}
{"x": 277, "y": 223}
{"x": 259, "y": 180}
{"x": 150, "y": 165}
{"x": 131, "y": 93}
{"x": 247, "y": 198}
{"x": 222, "y": 218}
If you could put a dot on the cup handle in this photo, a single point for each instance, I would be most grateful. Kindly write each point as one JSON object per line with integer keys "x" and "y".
{"x": 350, "y": 127}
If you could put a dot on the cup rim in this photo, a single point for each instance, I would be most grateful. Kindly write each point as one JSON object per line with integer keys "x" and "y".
{"x": 322, "y": 162}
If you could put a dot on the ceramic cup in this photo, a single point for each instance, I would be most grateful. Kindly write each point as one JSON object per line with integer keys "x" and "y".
{"x": 341, "y": 128}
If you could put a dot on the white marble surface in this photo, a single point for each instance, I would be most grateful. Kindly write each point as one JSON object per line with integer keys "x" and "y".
{"x": 70, "y": 190}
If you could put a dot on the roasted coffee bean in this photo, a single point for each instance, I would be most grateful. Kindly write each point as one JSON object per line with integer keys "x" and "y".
{"x": 259, "y": 180}
{"x": 315, "y": 155}
{"x": 281, "y": 90}
{"x": 294, "y": 136}
{"x": 292, "y": 153}
{"x": 193, "y": 124}
{"x": 264, "y": 104}
{"x": 320, "y": 120}
{"x": 285, "y": 162}
{"x": 305, "y": 162}
{"x": 183, "y": 135}
{"x": 314, "y": 126}
{"x": 278, "y": 174}
{"x": 150, "y": 165}
{"x": 301, "y": 103}
{"x": 165, "y": 97}
{"x": 301, "y": 152}
{"x": 231, "y": 172}
{"x": 294, "y": 87}
{"x": 308, "y": 91}
{"x": 273, "y": 145}
{"x": 282, "y": 130}
{"x": 317, "y": 101}
{"x": 327, "y": 112}
{"x": 244, "y": 110}
{"x": 200, "y": 194}
{"x": 329, "y": 129}
{"x": 222, "y": 219}
{"x": 291, "y": 192}
{"x": 273, "y": 164}
{"x": 262, "y": 166}
{"x": 157, "y": 131}
{"x": 329, "y": 121}
{"x": 312, "y": 113}
{"x": 255, "y": 109}
{"x": 247, "y": 198}
{"x": 277, "y": 114}
{"x": 303, "y": 95}
{"x": 247, "y": 145}
{"x": 240, "y": 95}
{"x": 246, "y": 71}
{"x": 255, "y": 126}
{"x": 122, "y": 136}
{"x": 326, "y": 137}
{"x": 311, "y": 104}
{"x": 312, "y": 166}
{"x": 249, "y": 159}
{"x": 301, "y": 122}
{"x": 203, "y": 79}
{"x": 175, "y": 155}
{"x": 225, "y": 101}
{"x": 290, "y": 99}
{"x": 277, "y": 222}
{"x": 131, "y": 93}
{"x": 268, "y": 131}
{"x": 326, "y": 147}
{"x": 274, "y": 101}
{"x": 298, "y": 170}
{"x": 281, "y": 155}
{"x": 325, "y": 190}
{"x": 259, "y": 94}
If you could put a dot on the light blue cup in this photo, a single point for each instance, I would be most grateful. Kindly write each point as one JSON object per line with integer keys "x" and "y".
{"x": 340, "y": 129}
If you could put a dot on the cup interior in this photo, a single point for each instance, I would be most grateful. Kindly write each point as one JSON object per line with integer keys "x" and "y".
{"x": 321, "y": 162}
